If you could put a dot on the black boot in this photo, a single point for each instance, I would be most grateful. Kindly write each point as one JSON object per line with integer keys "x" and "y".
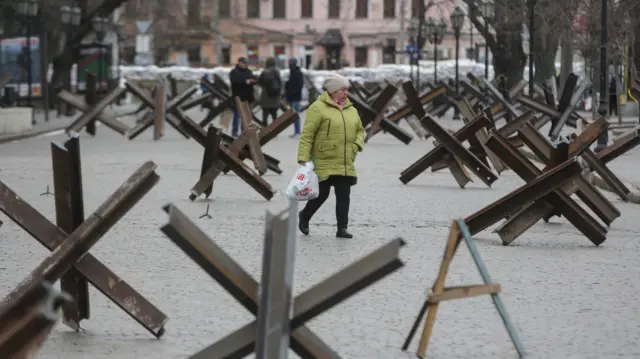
{"x": 342, "y": 233}
{"x": 303, "y": 224}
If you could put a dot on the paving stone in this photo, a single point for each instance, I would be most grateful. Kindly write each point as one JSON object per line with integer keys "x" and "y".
{"x": 567, "y": 298}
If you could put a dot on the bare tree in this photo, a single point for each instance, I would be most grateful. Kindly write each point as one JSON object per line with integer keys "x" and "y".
{"x": 504, "y": 37}
{"x": 553, "y": 22}
{"x": 622, "y": 21}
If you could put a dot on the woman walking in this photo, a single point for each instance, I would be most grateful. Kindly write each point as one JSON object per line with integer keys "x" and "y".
{"x": 331, "y": 137}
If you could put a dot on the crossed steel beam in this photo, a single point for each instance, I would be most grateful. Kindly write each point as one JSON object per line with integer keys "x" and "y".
{"x": 70, "y": 241}
{"x": 237, "y": 282}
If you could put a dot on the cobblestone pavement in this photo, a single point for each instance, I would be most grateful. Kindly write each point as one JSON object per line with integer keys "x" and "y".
{"x": 567, "y": 298}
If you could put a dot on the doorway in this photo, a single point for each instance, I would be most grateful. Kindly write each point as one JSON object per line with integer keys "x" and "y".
{"x": 333, "y": 57}
{"x": 308, "y": 57}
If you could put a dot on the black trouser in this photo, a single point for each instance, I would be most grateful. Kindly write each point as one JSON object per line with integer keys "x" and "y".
{"x": 269, "y": 111}
{"x": 342, "y": 186}
{"x": 613, "y": 105}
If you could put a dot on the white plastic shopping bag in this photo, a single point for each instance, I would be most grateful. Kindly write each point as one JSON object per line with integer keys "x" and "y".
{"x": 304, "y": 185}
{"x": 588, "y": 103}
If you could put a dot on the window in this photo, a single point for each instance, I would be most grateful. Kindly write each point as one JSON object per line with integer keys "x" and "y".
{"x": 127, "y": 55}
{"x": 279, "y": 53}
{"x": 226, "y": 55}
{"x": 415, "y": 9}
{"x": 224, "y": 9}
{"x": 252, "y": 54}
{"x": 193, "y": 54}
{"x": 361, "y": 58}
{"x": 389, "y": 52}
{"x": 253, "y": 9}
{"x": 389, "y": 9}
{"x": 362, "y": 9}
{"x": 307, "y": 9}
{"x": 334, "y": 9}
{"x": 279, "y": 9}
{"x": 131, "y": 9}
{"x": 194, "y": 10}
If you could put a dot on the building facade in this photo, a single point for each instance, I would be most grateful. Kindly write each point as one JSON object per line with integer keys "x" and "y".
{"x": 320, "y": 33}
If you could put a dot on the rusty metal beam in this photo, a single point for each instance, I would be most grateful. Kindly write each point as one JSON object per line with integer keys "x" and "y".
{"x": 160, "y": 109}
{"x": 620, "y": 146}
{"x": 425, "y": 99}
{"x": 598, "y": 203}
{"x": 69, "y": 204}
{"x": 25, "y": 326}
{"x": 91, "y": 98}
{"x": 233, "y": 278}
{"x": 230, "y": 159}
{"x": 95, "y": 112}
{"x": 577, "y": 95}
{"x": 241, "y": 286}
{"x": 316, "y": 300}
{"x": 107, "y": 282}
{"x": 151, "y": 103}
{"x": 530, "y": 192}
{"x": 368, "y": 115}
{"x": 73, "y": 248}
{"x": 557, "y": 198}
{"x": 439, "y": 152}
{"x": 211, "y": 166}
{"x": 454, "y": 147}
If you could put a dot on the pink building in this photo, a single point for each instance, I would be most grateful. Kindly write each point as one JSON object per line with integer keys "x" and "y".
{"x": 358, "y": 32}
{"x": 327, "y": 32}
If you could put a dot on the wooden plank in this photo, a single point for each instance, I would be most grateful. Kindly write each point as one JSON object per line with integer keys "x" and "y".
{"x": 438, "y": 288}
{"x": 462, "y": 292}
{"x": 486, "y": 278}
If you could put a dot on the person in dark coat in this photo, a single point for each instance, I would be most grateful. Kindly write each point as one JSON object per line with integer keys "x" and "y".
{"x": 242, "y": 81}
{"x": 613, "y": 97}
{"x": 271, "y": 85}
{"x": 205, "y": 90}
{"x": 293, "y": 91}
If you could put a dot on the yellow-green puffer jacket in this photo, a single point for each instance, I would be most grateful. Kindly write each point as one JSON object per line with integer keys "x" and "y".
{"x": 331, "y": 138}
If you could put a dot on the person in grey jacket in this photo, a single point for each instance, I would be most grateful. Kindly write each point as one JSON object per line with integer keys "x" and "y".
{"x": 271, "y": 85}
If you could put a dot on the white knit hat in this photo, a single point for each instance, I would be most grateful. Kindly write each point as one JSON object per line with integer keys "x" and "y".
{"x": 335, "y": 82}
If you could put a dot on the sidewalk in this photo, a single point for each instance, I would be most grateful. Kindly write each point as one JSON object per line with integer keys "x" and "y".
{"x": 56, "y": 123}
{"x": 41, "y": 127}
{"x": 548, "y": 276}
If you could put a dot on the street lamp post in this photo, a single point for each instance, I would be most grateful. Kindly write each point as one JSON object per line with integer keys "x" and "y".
{"x": 436, "y": 32}
{"x": 100, "y": 28}
{"x": 473, "y": 45}
{"x": 531, "y": 4}
{"x": 602, "y": 110}
{"x": 457, "y": 20}
{"x": 411, "y": 30}
{"x": 487, "y": 14}
{"x": 28, "y": 10}
{"x": 70, "y": 17}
